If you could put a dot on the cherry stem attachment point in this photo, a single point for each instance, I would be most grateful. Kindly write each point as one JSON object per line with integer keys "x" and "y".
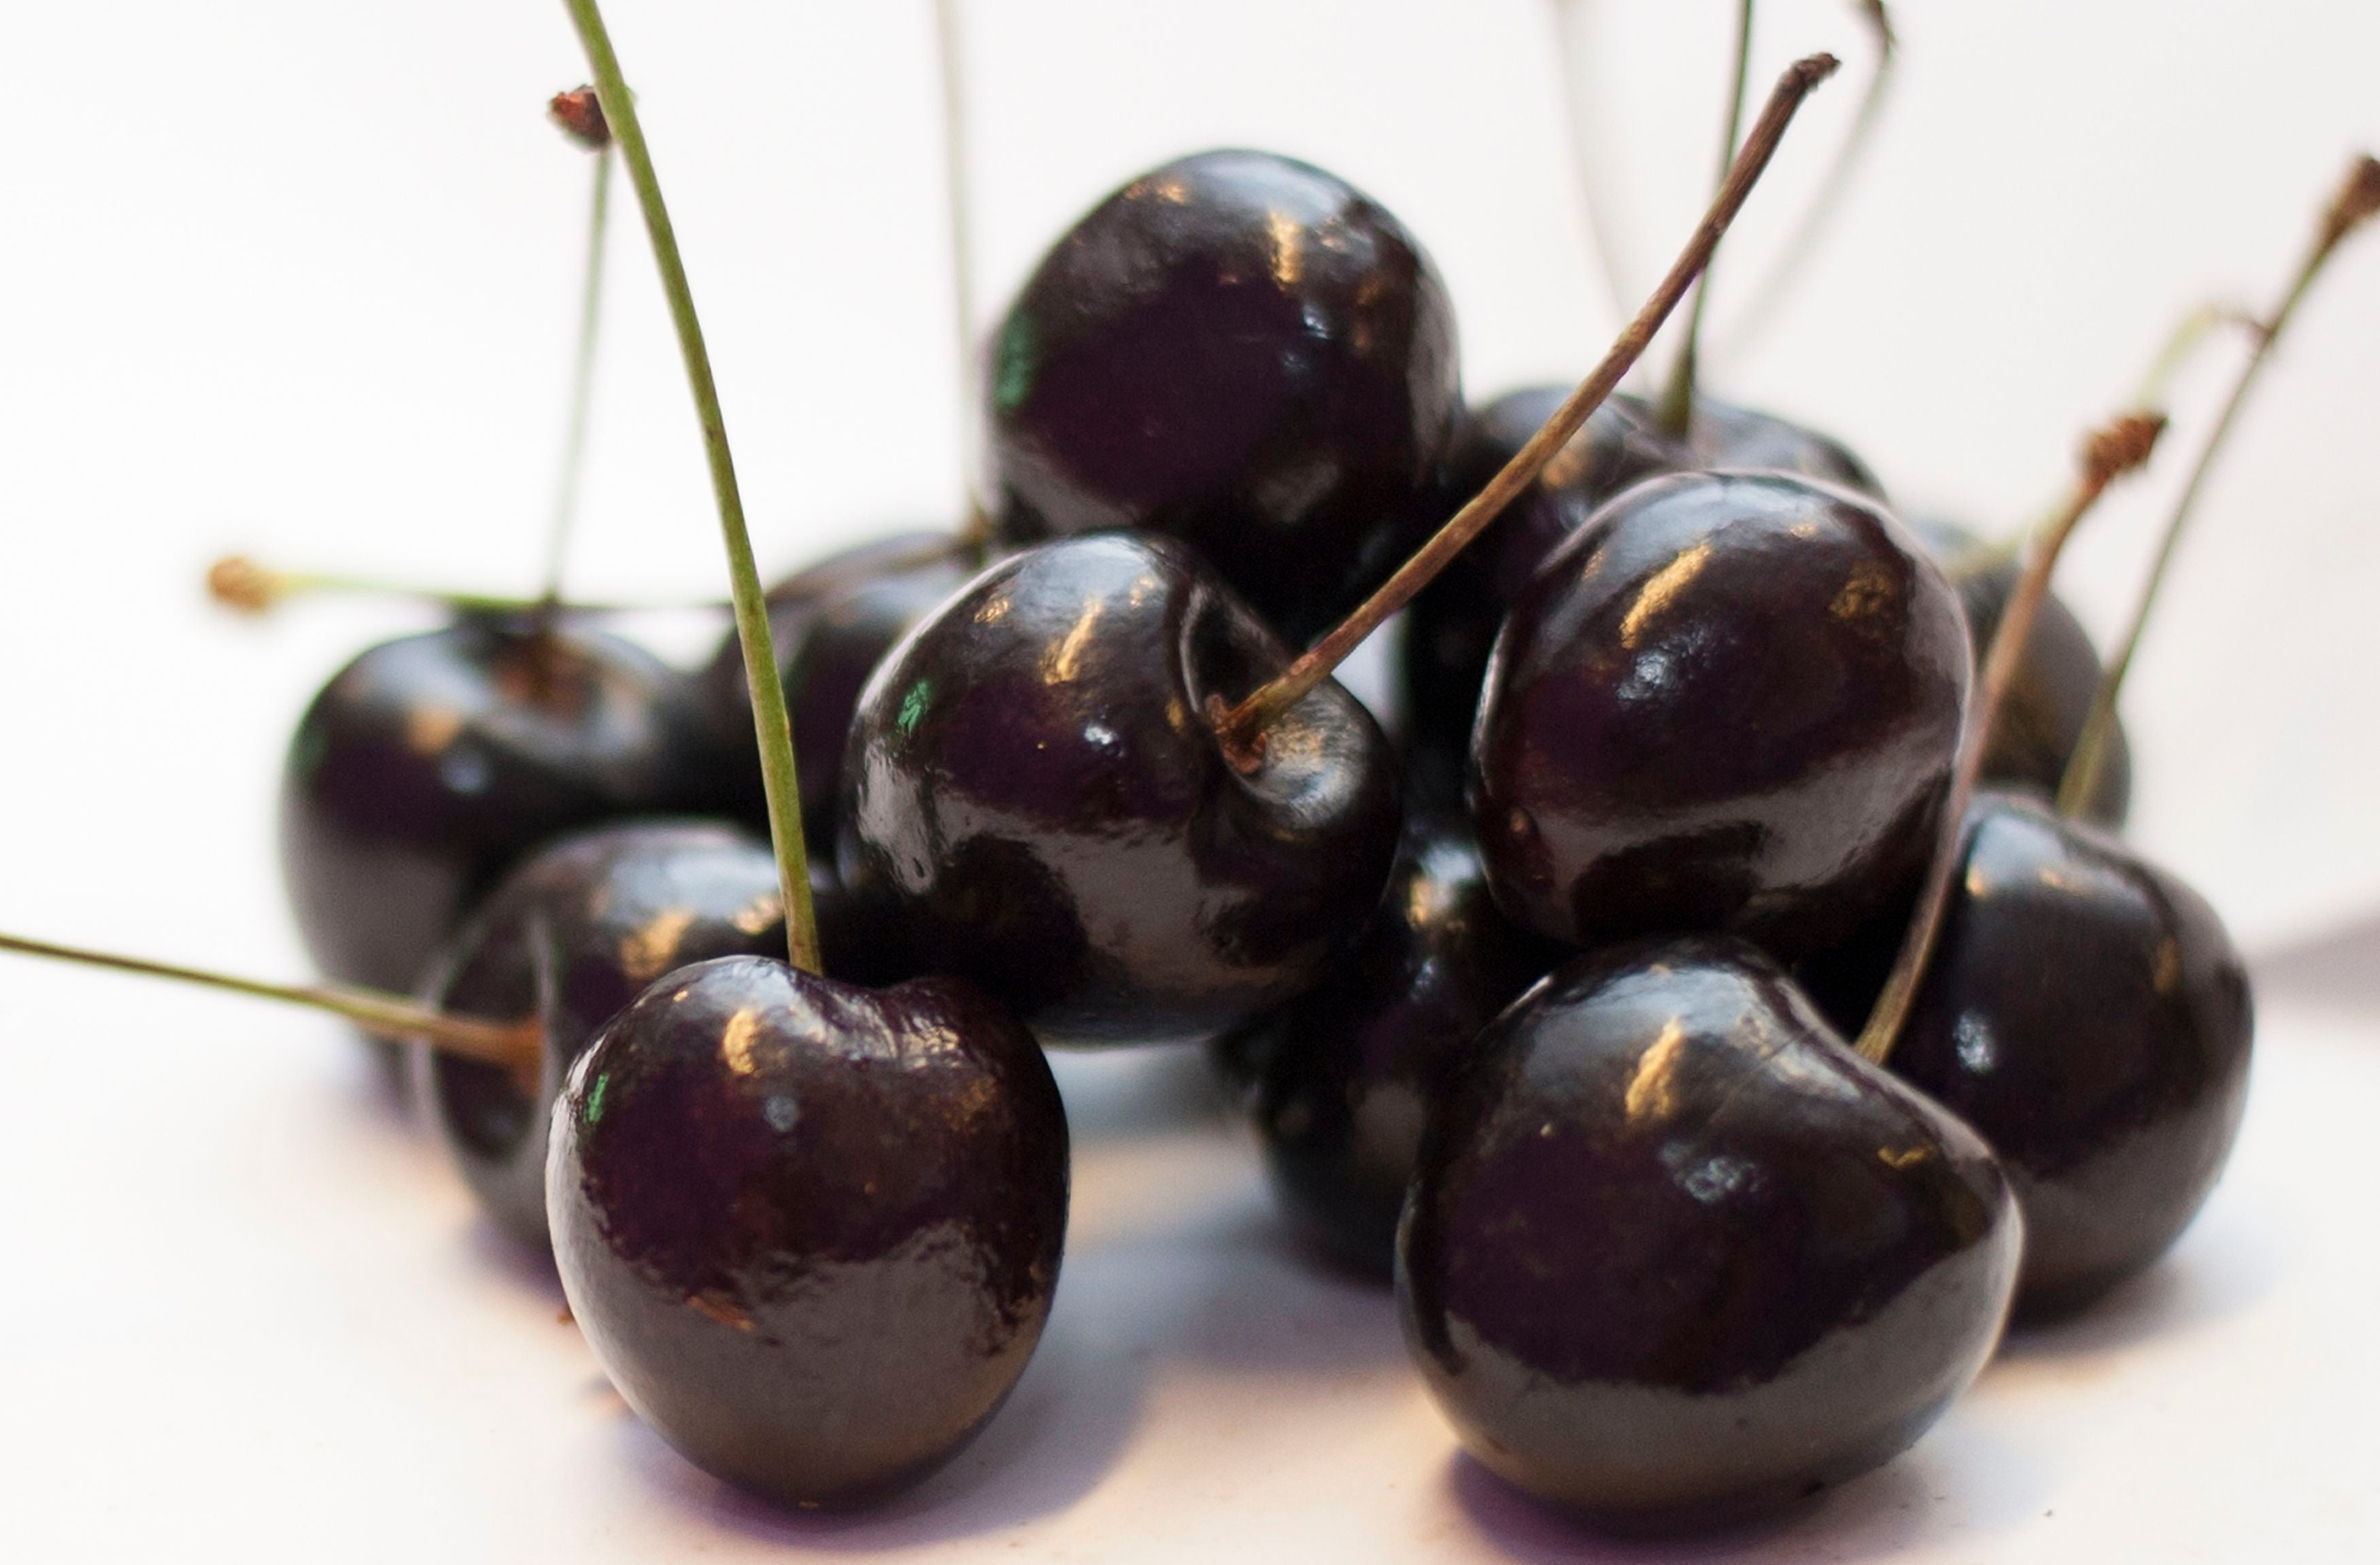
{"x": 2354, "y": 203}
{"x": 1678, "y": 401}
{"x": 2123, "y": 446}
{"x": 1776, "y": 282}
{"x": 389, "y": 1015}
{"x": 771, "y": 726}
{"x": 1240, "y": 729}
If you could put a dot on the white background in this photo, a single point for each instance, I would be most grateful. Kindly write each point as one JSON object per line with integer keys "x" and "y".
{"x": 300, "y": 279}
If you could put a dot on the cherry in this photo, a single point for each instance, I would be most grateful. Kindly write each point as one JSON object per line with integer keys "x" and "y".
{"x": 1454, "y": 623}
{"x": 2048, "y": 700}
{"x": 429, "y": 764}
{"x": 1673, "y": 1253}
{"x": 1732, "y": 703}
{"x": 2086, "y": 1012}
{"x": 831, "y": 624}
{"x": 1033, "y": 790}
{"x": 1241, "y": 351}
{"x": 1352, "y": 1066}
{"x": 813, "y": 1231}
{"x": 573, "y": 934}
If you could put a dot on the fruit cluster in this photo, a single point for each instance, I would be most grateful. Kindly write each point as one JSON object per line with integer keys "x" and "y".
{"x": 1539, "y": 991}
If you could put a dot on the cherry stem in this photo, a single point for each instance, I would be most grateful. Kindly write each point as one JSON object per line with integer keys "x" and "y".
{"x": 1605, "y": 240}
{"x": 951, "y": 59}
{"x": 1677, "y": 402}
{"x": 390, "y": 1015}
{"x": 246, "y": 587}
{"x": 582, "y": 380}
{"x": 1778, "y": 281}
{"x": 2121, "y": 447}
{"x": 2354, "y": 203}
{"x": 1240, "y": 729}
{"x": 773, "y": 730}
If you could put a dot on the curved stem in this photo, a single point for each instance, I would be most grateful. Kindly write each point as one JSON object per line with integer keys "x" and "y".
{"x": 390, "y": 1015}
{"x": 774, "y": 729}
{"x": 1778, "y": 282}
{"x": 245, "y": 586}
{"x": 1240, "y": 729}
{"x": 1591, "y": 210}
{"x": 2122, "y": 447}
{"x": 2355, "y": 203}
{"x": 582, "y": 380}
{"x": 1677, "y": 402}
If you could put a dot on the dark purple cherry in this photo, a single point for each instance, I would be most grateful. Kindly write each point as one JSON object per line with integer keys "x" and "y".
{"x": 1674, "y": 1253}
{"x": 574, "y": 934}
{"x": 1038, "y": 798}
{"x": 2085, "y": 1011}
{"x": 2042, "y": 716}
{"x": 429, "y": 765}
{"x": 1351, "y": 1067}
{"x": 1246, "y": 353}
{"x": 831, "y": 624}
{"x": 1452, "y": 625}
{"x": 1731, "y": 702}
{"x": 811, "y": 1230}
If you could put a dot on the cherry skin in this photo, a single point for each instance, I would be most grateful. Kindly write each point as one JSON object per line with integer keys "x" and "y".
{"x": 1674, "y": 1253}
{"x": 572, "y": 935}
{"x": 431, "y": 763}
{"x": 811, "y": 1230}
{"x": 2089, "y": 1015}
{"x": 1241, "y": 351}
{"x": 1452, "y": 624}
{"x": 831, "y": 624}
{"x": 2048, "y": 702}
{"x": 1037, "y": 798}
{"x": 1732, "y": 702}
{"x": 1352, "y": 1066}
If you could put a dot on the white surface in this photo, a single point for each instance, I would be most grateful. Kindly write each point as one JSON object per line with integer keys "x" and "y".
{"x": 300, "y": 278}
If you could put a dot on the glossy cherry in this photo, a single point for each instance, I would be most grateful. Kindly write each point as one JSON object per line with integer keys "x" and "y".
{"x": 1036, "y": 794}
{"x": 429, "y": 764}
{"x": 1241, "y": 351}
{"x": 1452, "y": 625}
{"x": 831, "y": 624}
{"x": 1674, "y": 1253}
{"x": 1730, "y": 703}
{"x": 811, "y": 1230}
{"x": 2088, "y": 1015}
{"x": 2034, "y": 737}
{"x": 575, "y": 932}
{"x": 1351, "y": 1067}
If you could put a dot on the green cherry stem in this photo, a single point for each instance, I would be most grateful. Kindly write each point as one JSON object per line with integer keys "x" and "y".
{"x": 2122, "y": 447}
{"x": 1678, "y": 401}
{"x": 245, "y": 586}
{"x": 1779, "y": 279}
{"x": 2354, "y": 204}
{"x": 389, "y": 1015}
{"x": 950, "y": 59}
{"x": 582, "y": 379}
{"x": 1240, "y": 729}
{"x": 774, "y": 730}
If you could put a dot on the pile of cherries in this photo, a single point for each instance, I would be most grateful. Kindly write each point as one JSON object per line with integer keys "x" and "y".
{"x": 1539, "y": 991}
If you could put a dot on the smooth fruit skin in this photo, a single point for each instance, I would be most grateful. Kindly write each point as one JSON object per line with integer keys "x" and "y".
{"x": 2049, "y": 698}
{"x": 1352, "y": 1066}
{"x": 1241, "y": 351}
{"x": 1038, "y": 802}
{"x": 1452, "y": 627}
{"x": 1729, "y": 701}
{"x": 2089, "y": 1015}
{"x": 811, "y": 1230}
{"x": 1674, "y": 1253}
{"x": 573, "y": 934}
{"x": 831, "y": 624}
{"x": 429, "y": 764}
